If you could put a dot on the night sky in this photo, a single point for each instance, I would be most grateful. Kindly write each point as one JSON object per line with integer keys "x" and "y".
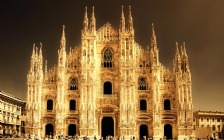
{"x": 199, "y": 23}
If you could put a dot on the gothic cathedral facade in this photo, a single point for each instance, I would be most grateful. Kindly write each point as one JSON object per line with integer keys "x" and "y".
{"x": 110, "y": 85}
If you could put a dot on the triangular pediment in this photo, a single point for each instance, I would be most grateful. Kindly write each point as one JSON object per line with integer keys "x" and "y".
{"x": 107, "y": 33}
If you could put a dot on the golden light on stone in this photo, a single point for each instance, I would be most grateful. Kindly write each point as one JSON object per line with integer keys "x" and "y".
{"x": 110, "y": 85}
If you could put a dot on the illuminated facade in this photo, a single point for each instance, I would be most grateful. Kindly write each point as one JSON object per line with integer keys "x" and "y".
{"x": 10, "y": 114}
{"x": 110, "y": 85}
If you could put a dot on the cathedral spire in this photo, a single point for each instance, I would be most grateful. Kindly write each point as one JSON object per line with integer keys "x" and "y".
{"x": 154, "y": 49}
{"x": 63, "y": 39}
{"x": 62, "y": 50}
{"x": 85, "y": 21}
{"x": 122, "y": 20}
{"x": 36, "y": 53}
{"x": 153, "y": 38}
{"x": 177, "y": 55}
{"x": 40, "y": 57}
{"x": 184, "y": 50}
{"x": 45, "y": 68}
{"x": 130, "y": 21}
{"x": 32, "y": 60}
{"x": 40, "y": 51}
{"x": 177, "y": 60}
{"x": 184, "y": 59}
{"x": 33, "y": 53}
{"x": 93, "y": 21}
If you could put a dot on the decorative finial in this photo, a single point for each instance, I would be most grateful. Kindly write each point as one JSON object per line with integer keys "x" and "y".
{"x": 93, "y": 21}
{"x": 184, "y": 51}
{"x": 177, "y": 49}
{"x": 93, "y": 15}
{"x": 85, "y": 21}
{"x": 130, "y": 16}
{"x": 85, "y": 8}
{"x": 153, "y": 28}
{"x": 153, "y": 38}
{"x": 63, "y": 31}
{"x": 63, "y": 27}
{"x": 122, "y": 11}
{"x": 122, "y": 20}
{"x": 176, "y": 45}
{"x": 63, "y": 39}
{"x": 130, "y": 21}
{"x": 40, "y": 51}
{"x": 33, "y": 47}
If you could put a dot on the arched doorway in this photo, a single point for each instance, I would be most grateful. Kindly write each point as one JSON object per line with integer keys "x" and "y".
{"x": 143, "y": 131}
{"x": 168, "y": 131}
{"x": 49, "y": 130}
{"x": 71, "y": 129}
{"x": 107, "y": 127}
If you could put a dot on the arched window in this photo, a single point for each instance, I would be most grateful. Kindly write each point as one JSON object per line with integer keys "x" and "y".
{"x": 73, "y": 84}
{"x": 107, "y": 56}
{"x": 142, "y": 84}
{"x": 72, "y": 105}
{"x": 143, "y": 105}
{"x": 107, "y": 88}
{"x": 167, "y": 104}
{"x": 49, "y": 104}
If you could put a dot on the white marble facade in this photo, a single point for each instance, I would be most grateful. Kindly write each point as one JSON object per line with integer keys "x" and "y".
{"x": 110, "y": 85}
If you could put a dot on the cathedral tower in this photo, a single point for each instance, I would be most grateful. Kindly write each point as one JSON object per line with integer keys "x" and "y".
{"x": 34, "y": 91}
{"x": 88, "y": 76}
{"x": 128, "y": 83}
{"x": 184, "y": 93}
{"x": 61, "y": 87}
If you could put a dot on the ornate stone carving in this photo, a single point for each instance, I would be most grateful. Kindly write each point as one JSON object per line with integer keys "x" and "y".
{"x": 107, "y": 110}
{"x": 135, "y": 73}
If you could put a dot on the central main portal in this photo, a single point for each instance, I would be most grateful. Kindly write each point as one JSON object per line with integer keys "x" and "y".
{"x": 107, "y": 127}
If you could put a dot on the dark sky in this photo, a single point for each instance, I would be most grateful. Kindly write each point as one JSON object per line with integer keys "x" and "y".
{"x": 200, "y": 23}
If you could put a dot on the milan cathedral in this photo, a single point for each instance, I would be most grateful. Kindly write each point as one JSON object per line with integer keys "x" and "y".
{"x": 109, "y": 86}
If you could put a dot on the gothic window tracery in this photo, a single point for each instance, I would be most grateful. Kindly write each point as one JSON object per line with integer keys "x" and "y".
{"x": 73, "y": 84}
{"x": 107, "y": 56}
{"x": 142, "y": 84}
